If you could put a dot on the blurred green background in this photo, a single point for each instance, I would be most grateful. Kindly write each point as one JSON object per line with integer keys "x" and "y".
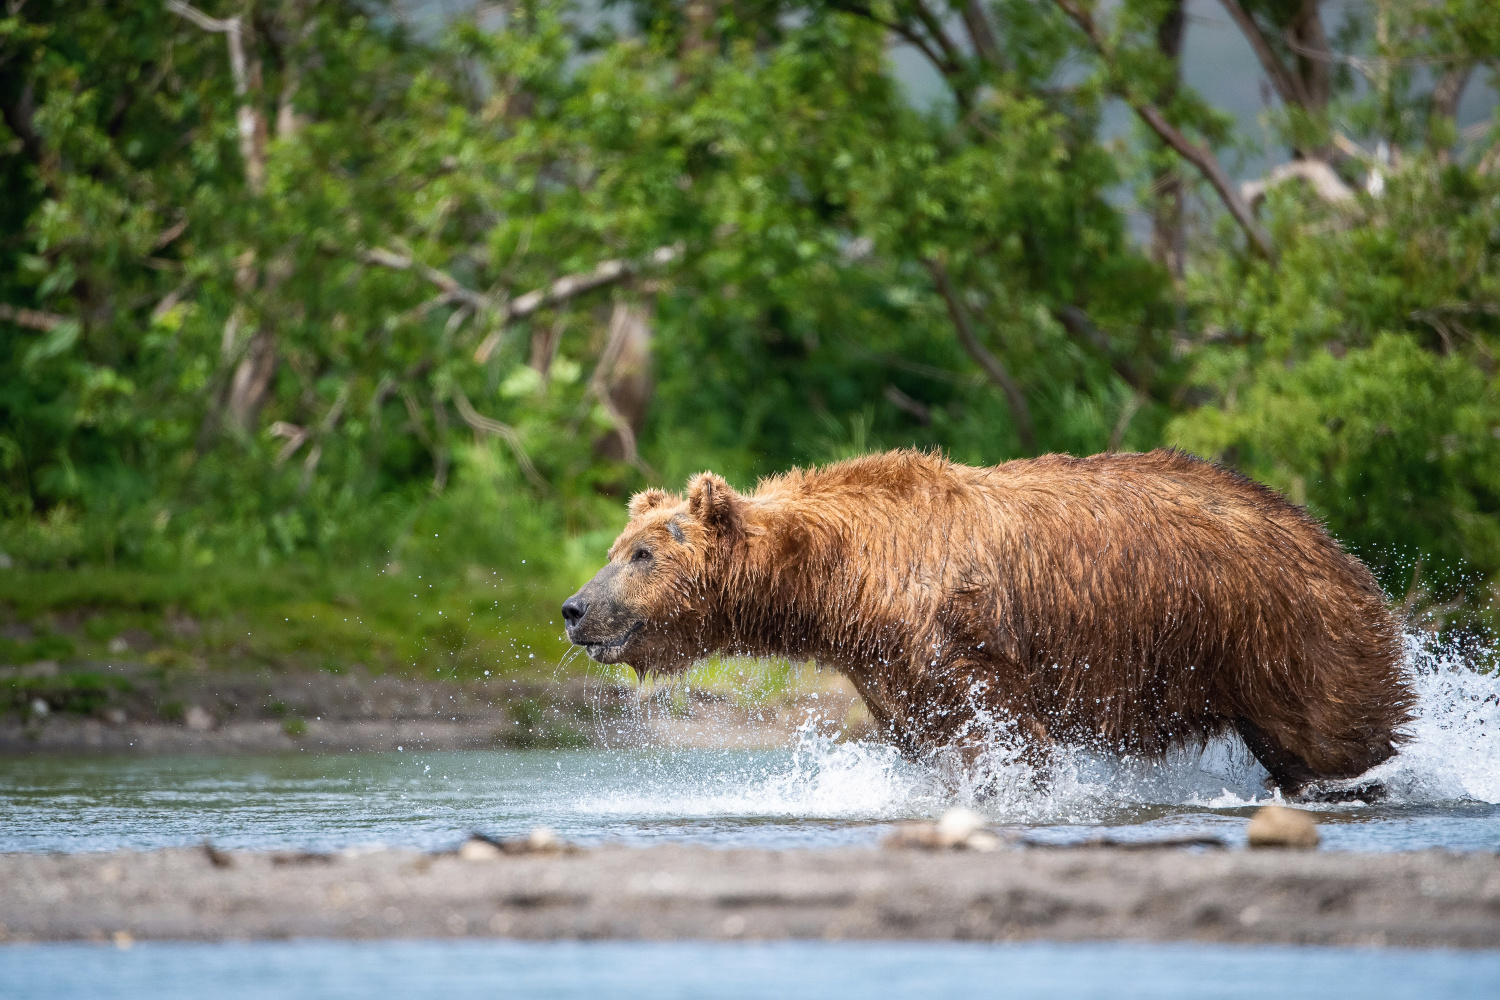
{"x": 343, "y": 330}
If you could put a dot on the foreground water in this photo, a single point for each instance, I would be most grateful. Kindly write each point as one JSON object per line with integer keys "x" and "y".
{"x": 787, "y": 970}
{"x": 819, "y": 796}
{"x": 1443, "y": 791}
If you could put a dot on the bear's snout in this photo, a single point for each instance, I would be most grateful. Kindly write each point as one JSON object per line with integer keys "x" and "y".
{"x": 596, "y": 619}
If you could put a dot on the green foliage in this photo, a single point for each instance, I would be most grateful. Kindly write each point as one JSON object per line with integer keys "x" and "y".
{"x": 1359, "y": 376}
{"x": 48, "y": 646}
{"x": 256, "y": 375}
{"x": 76, "y": 693}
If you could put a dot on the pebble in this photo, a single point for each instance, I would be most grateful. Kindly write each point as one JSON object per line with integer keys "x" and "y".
{"x": 475, "y": 849}
{"x": 957, "y": 825}
{"x": 541, "y": 840}
{"x": 198, "y": 719}
{"x": 957, "y": 829}
{"x": 544, "y": 840}
{"x": 1278, "y": 826}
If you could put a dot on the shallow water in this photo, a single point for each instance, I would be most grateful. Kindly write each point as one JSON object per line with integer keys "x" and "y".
{"x": 1444, "y": 791}
{"x": 824, "y": 795}
{"x": 315, "y": 970}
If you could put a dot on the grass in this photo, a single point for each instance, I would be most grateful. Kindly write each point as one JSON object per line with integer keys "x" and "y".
{"x": 463, "y": 623}
{"x": 752, "y": 683}
{"x": 460, "y": 623}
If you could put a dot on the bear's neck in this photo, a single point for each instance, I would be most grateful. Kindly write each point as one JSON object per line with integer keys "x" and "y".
{"x": 797, "y": 588}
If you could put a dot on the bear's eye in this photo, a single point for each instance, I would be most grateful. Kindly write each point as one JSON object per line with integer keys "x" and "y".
{"x": 640, "y": 555}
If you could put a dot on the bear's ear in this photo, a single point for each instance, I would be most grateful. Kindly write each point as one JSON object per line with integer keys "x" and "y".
{"x": 649, "y": 500}
{"x": 715, "y": 505}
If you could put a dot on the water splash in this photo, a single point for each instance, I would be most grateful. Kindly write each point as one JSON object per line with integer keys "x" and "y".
{"x": 1454, "y": 754}
{"x": 1453, "y": 758}
{"x": 822, "y": 780}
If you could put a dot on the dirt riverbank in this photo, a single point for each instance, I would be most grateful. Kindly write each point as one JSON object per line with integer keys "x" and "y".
{"x": 143, "y": 708}
{"x": 1431, "y": 898}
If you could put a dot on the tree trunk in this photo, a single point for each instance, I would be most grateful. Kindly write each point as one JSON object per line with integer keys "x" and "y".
{"x": 622, "y": 381}
{"x": 698, "y": 33}
{"x": 1313, "y": 60}
{"x": 252, "y": 381}
{"x": 1167, "y": 233}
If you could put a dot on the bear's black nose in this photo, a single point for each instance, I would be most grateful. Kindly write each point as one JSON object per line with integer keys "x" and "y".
{"x": 573, "y": 611}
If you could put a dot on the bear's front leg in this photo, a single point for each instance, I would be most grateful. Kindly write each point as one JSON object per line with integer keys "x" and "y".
{"x": 962, "y": 722}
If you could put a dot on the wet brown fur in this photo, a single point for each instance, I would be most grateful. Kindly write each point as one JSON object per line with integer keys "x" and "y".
{"x": 1130, "y": 602}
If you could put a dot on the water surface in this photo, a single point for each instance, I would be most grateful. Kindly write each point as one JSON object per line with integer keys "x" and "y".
{"x": 315, "y": 970}
{"x": 1443, "y": 791}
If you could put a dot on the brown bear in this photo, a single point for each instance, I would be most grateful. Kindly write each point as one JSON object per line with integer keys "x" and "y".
{"x": 1125, "y": 602}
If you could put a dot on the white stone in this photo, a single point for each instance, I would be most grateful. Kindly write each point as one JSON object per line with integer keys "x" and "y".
{"x": 197, "y": 719}
{"x": 983, "y": 841}
{"x": 543, "y": 838}
{"x": 1278, "y": 826}
{"x": 957, "y": 825}
{"x": 478, "y": 850}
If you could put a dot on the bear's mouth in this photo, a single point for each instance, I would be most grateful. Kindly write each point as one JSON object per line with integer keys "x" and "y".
{"x": 610, "y": 650}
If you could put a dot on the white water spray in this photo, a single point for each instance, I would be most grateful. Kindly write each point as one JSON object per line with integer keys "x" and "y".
{"x": 1453, "y": 758}
{"x": 1454, "y": 754}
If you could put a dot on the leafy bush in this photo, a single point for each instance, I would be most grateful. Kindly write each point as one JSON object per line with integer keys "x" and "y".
{"x": 453, "y": 294}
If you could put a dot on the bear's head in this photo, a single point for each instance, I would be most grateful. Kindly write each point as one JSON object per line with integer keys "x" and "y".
{"x": 654, "y": 605}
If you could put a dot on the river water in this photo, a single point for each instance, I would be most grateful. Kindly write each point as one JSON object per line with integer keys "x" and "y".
{"x": 1443, "y": 791}
{"x": 792, "y": 970}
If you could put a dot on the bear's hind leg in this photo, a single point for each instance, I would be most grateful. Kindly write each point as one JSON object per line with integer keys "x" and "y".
{"x": 1288, "y": 771}
{"x": 1295, "y": 776}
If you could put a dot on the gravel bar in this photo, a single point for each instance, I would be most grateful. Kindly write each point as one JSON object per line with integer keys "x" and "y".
{"x": 1427, "y": 899}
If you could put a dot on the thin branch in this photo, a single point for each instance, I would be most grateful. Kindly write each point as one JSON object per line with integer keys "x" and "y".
{"x": 1328, "y": 185}
{"x": 207, "y": 23}
{"x": 901, "y": 401}
{"x": 944, "y": 66}
{"x": 1288, "y": 86}
{"x": 295, "y": 437}
{"x": 1020, "y": 412}
{"x": 562, "y": 289}
{"x": 309, "y": 467}
{"x": 251, "y": 130}
{"x": 414, "y": 413}
{"x": 576, "y": 284}
{"x": 1201, "y": 157}
{"x": 485, "y": 425}
{"x": 1132, "y": 407}
{"x": 171, "y": 233}
{"x": 440, "y": 426}
{"x": 981, "y": 35}
{"x": 33, "y": 319}
{"x": 452, "y": 290}
{"x": 1370, "y": 66}
{"x": 935, "y": 31}
{"x": 1081, "y": 327}
{"x": 1450, "y": 88}
{"x": 169, "y": 301}
{"x": 298, "y": 435}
